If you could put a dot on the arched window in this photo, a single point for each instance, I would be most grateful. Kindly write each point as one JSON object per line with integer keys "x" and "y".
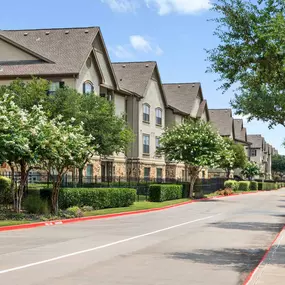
{"x": 158, "y": 116}
{"x": 146, "y": 113}
{"x": 88, "y": 87}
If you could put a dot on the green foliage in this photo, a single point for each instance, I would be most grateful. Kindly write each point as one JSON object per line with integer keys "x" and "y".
{"x": 74, "y": 211}
{"x": 250, "y": 170}
{"x": 232, "y": 184}
{"x": 278, "y": 164}
{"x": 251, "y": 55}
{"x": 35, "y": 205}
{"x": 267, "y": 186}
{"x": 6, "y": 196}
{"x": 98, "y": 198}
{"x": 243, "y": 186}
{"x": 253, "y": 186}
{"x": 161, "y": 192}
{"x": 239, "y": 156}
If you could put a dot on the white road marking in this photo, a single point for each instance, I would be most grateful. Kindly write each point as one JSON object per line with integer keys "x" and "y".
{"x": 104, "y": 246}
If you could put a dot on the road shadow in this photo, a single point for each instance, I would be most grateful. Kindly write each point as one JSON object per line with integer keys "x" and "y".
{"x": 247, "y": 226}
{"x": 281, "y": 206}
{"x": 239, "y": 259}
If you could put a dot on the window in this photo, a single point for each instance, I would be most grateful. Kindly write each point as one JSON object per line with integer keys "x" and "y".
{"x": 146, "y": 144}
{"x": 146, "y": 112}
{"x": 203, "y": 174}
{"x": 54, "y": 86}
{"x": 146, "y": 172}
{"x": 183, "y": 175}
{"x": 89, "y": 173}
{"x": 253, "y": 152}
{"x": 108, "y": 96}
{"x": 157, "y": 143}
{"x": 158, "y": 115}
{"x": 159, "y": 173}
{"x": 88, "y": 87}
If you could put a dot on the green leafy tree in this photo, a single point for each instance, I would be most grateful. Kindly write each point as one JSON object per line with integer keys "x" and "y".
{"x": 251, "y": 55}
{"x": 239, "y": 157}
{"x": 250, "y": 170}
{"x": 278, "y": 164}
{"x": 197, "y": 145}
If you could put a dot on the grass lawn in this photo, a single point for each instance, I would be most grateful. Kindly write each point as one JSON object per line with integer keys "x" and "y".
{"x": 135, "y": 207}
{"x": 12, "y": 223}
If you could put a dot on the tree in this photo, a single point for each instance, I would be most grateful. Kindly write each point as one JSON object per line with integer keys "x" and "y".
{"x": 278, "y": 164}
{"x": 21, "y": 136}
{"x": 239, "y": 157}
{"x": 197, "y": 145}
{"x": 66, "y": 146}
{"x": 250, "y": 170}
{"x": 251, "y": 55}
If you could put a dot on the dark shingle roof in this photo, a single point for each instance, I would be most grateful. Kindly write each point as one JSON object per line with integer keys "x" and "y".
{"x": 134, "y": 76}
{"x": 240, "y": 131}
{"x": 181, "y": 96}
{"x": 66, "y": 49}
{"x": 222, "y": 120}
{"x": 256, "y": 140}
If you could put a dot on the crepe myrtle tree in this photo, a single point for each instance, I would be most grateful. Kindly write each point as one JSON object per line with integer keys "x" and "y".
{"x": 21, "y": 135}
{"x": 196, "y": 144}
{"x": 250, "y": 170}
{"x": 65, "y": 147}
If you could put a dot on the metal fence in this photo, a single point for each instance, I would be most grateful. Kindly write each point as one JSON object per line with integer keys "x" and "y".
{"x": 37, "y": 181}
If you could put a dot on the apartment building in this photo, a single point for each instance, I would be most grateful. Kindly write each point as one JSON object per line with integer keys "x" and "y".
{"x": 74, "y": 57}
{"x": 261, "y": 153}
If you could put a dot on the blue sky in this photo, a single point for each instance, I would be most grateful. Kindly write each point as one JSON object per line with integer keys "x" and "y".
{"x": 175, "y": 33}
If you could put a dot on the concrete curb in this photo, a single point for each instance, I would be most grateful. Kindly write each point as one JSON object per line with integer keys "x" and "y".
{"x": 99, "y": 217}
{"x": 254, "y": 271}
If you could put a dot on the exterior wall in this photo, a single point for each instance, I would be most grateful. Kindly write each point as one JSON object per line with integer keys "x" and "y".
{"x": 204, "y": 117}
{"x": 195, "y": 107}
{"x": 9, "y": 52}
{"x": 91, "y": 74}
{"x": 153, "y": 97}
{"x": 120, "y": 103}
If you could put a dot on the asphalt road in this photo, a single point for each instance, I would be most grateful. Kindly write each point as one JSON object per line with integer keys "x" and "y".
{"x": 210, "y": 242}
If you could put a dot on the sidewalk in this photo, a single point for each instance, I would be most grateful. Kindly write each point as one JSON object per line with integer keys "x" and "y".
{"x": 271, "y": 271}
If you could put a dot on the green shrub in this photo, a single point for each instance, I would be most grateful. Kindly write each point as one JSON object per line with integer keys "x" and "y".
{"x": 232, "y": 184}
{"x": 243, "y": 186}
{"x": 161, "y": 192}
{"x": 35, "y": 205}
{"x": 266, "y": 186}
{"x": 6, "y": 196}
{"x": 98, "y": 198}
{"x": 253, "y": 186}
{"x": 74, "y": 212}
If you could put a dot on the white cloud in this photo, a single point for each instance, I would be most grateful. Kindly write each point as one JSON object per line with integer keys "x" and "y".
{"x": 122, "y": 6}
{"x": 121, "y": 52}
{"x": 139, "y": 43}
{"x": 158, "y": 50}
{"x": 179, "y": 6}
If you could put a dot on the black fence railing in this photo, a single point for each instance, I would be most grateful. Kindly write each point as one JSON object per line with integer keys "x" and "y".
{"x": 37, "y": 181}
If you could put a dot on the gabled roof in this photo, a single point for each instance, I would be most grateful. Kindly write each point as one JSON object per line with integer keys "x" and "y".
{"x": 222, "y": 120}
{"x": 182, "y": 96}
{"x": 64, "y": 50}
{"x": 256, "y": 140}
{"x": 240, "y": 131}
{"x": 134, "y": 76}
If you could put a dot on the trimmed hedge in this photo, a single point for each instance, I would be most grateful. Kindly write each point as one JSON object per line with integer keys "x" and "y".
{"x": 160, "y": 192}
{"x": 232, "y": 184}
{"x": 267, "y": 186}
{"x": 6, "y": 196}
{"x": 98, "y": 198}
{"x": 243, "y": 186}
{"x": 253, "y": 186}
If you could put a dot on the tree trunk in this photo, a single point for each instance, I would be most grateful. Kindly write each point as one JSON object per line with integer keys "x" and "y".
{"x": 80, "y": 177}
{"x": 55, "y": 194}
{"x": 193, "y": 174}
{"x": 12, "y": 186}
{"x": 20, "y": 188}
{"x": 228, "y": 173}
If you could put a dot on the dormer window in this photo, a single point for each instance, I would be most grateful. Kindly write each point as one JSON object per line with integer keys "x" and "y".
{"x": 158, "y": 116}
{"x": 88, "y": 87}
{"x": 146, "y": 113}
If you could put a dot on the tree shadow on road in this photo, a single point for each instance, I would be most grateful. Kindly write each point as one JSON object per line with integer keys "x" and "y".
{"x": 255, "y": 226}
{"x": 239, "y": 259}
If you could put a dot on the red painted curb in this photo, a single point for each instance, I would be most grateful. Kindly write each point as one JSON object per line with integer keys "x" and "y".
{"x": 74, "y": 220}
{"x": 248, "y": 279}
